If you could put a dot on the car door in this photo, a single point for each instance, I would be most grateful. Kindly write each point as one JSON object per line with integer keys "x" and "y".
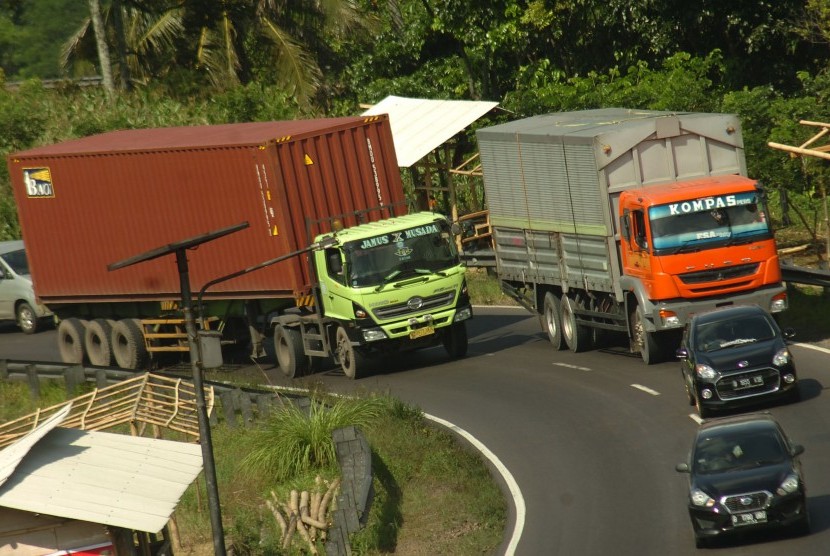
{"x": 7, "y": 293}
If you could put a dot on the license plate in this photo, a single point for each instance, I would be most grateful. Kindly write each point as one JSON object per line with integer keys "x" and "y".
{"x": 749, "y": 518}
{"x": 748, "y": 382}
{"x": 421, "y": 332}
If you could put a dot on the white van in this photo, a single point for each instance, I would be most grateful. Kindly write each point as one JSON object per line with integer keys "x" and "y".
{"x": 17, "y": 296}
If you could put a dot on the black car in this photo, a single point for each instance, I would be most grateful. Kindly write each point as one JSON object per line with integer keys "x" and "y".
{"x": 744, "y": 475}
{"x": 736, "y": 356}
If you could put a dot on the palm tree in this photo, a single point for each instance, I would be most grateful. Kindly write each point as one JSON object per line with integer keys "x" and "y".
{"x": 231, "y": 41}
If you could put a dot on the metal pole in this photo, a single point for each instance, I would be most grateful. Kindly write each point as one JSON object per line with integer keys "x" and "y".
{"x": 204, "y": 425}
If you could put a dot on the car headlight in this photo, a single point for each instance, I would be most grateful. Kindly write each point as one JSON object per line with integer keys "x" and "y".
{"x": 782, "y": 357}
{"x": 701, "y": 499}
{"x": 789, "y": 485}
{"x": 705, "y": 371}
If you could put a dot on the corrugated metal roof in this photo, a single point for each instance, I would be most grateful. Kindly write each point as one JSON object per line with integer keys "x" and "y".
{"x": 420, "y": 125}
{"x": 100, "y": 477}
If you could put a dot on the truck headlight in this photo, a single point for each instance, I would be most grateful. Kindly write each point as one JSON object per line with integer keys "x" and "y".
{"x": 373, "y": 334}
{"x": 463, "y": 314}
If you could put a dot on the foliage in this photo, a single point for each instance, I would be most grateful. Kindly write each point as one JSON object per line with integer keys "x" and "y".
{"x": 294, "y": 441}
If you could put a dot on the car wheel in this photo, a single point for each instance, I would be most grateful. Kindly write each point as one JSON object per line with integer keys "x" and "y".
{"x": 701, "y": 542}
{"x": 794, "y": 395}
{"x": 703, "y": 412}
{"x": 26, "y": 318}
{"x": 689, "y": 392}
{"x": 802, "y": 527}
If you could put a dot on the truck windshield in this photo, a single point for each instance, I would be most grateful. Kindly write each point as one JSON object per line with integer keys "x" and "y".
{"x": 708, "y": 222}
{"x": 401, "y": 254}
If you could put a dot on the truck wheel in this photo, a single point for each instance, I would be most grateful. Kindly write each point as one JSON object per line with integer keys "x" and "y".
{"x": 553, "y": 321}
{"x": 127, "y": 341}
{"x": 71, "y": 334}
{"x": 577, "y": 336}
{"x": 26, "y": 318}
{"x": 645, "y": 341}
{"x": 455, "y": 340}
{"x": 288, "y": 345}
{"x": 97, "y": 341}
{"x": 351, "y": 361}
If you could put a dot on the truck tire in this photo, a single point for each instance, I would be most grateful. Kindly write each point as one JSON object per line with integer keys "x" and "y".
{"x": 553, "y": 321}
{"x": 98, "y": 344}
{"x": 127, "y": 341}
{"x": 26, "y": 318}
{"x": 645, "y": 341}
{"x": 577, "y": 336}
{"x": 71, "y": 333}
{"x": 351, "y": 360}
{"x": 455, "y": 340}
{"x": 288, "y": 346}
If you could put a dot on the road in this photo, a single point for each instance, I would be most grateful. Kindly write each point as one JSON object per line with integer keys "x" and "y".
{"x": 591, "y": 438}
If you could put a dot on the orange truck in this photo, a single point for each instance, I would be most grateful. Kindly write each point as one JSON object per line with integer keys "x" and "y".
{"x": 627, "y": 221}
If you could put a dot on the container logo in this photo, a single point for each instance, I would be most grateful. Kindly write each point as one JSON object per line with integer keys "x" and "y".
{"x": 38, "y": 182}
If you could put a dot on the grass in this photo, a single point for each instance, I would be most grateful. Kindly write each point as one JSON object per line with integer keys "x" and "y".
{"x": 431, "y": 495}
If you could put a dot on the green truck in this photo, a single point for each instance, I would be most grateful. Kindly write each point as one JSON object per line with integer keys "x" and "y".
{"x": 353, "y": 275}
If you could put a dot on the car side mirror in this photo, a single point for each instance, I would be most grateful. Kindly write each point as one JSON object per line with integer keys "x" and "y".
{"x": 789, "y": 333}
{"x": 682, "y": 467}
{"x": 796, "y": 450}
{"x": 682, "y": 353}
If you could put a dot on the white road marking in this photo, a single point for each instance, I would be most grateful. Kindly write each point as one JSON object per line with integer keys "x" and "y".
{"x": 696, "y": 418}
{"x": 811, "y": 346}
{"x": 569, "y": 366}
{"x": 646, "y": 389}
{"x": 512, "y": 485}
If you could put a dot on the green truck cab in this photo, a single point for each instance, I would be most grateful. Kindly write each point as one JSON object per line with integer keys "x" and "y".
{"x": 384, "y": 288}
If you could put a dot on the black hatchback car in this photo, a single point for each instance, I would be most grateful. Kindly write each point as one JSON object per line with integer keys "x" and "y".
{"x": 736, "y": 356}
{"x": 744, "y": 475}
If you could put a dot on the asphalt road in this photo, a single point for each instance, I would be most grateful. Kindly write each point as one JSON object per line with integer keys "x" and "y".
{"x": 591, "y": 438}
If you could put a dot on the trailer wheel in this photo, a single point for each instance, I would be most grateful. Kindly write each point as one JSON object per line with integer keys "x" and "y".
{"x": 553, "y": 321}
{"x": 128, "y": 346}
{"x": 98, "y": 344}
{"x": 577, "y": 336}
{"x": 644, "y": 340}
{"x": 455, "y": 340}
{"x": 71, "y": 334}
{"x": 351, "y": 361}
{"x": 288, "y": 345}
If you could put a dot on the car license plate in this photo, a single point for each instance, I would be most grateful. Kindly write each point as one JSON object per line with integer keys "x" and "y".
{"x": 749, "y": 518}
{"x": 748, "y": 382}
{"x": 421, "y": 332}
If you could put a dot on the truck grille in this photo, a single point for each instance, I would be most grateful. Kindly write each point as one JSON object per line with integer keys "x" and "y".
{"x": 744, "y": 385}
{"x": 746, "y": 502}
{"x": 720, "y": 274}
{"x": 410, "y": 308}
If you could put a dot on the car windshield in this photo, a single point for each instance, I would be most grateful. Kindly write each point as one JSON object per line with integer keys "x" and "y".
{"x": 720, "y": 334}
{"x": 17, "y": 261}
{"x": 731, "y": 452}
{"x": 710, "y": 222}
{"x": 399, "y": 255}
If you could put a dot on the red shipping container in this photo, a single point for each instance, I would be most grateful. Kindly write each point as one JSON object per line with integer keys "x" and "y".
{"x": 87, "y": 203}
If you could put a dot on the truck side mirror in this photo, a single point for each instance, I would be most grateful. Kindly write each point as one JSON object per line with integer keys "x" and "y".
{"x": 455, "y": 229}
{"x": 625, "y": 226}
